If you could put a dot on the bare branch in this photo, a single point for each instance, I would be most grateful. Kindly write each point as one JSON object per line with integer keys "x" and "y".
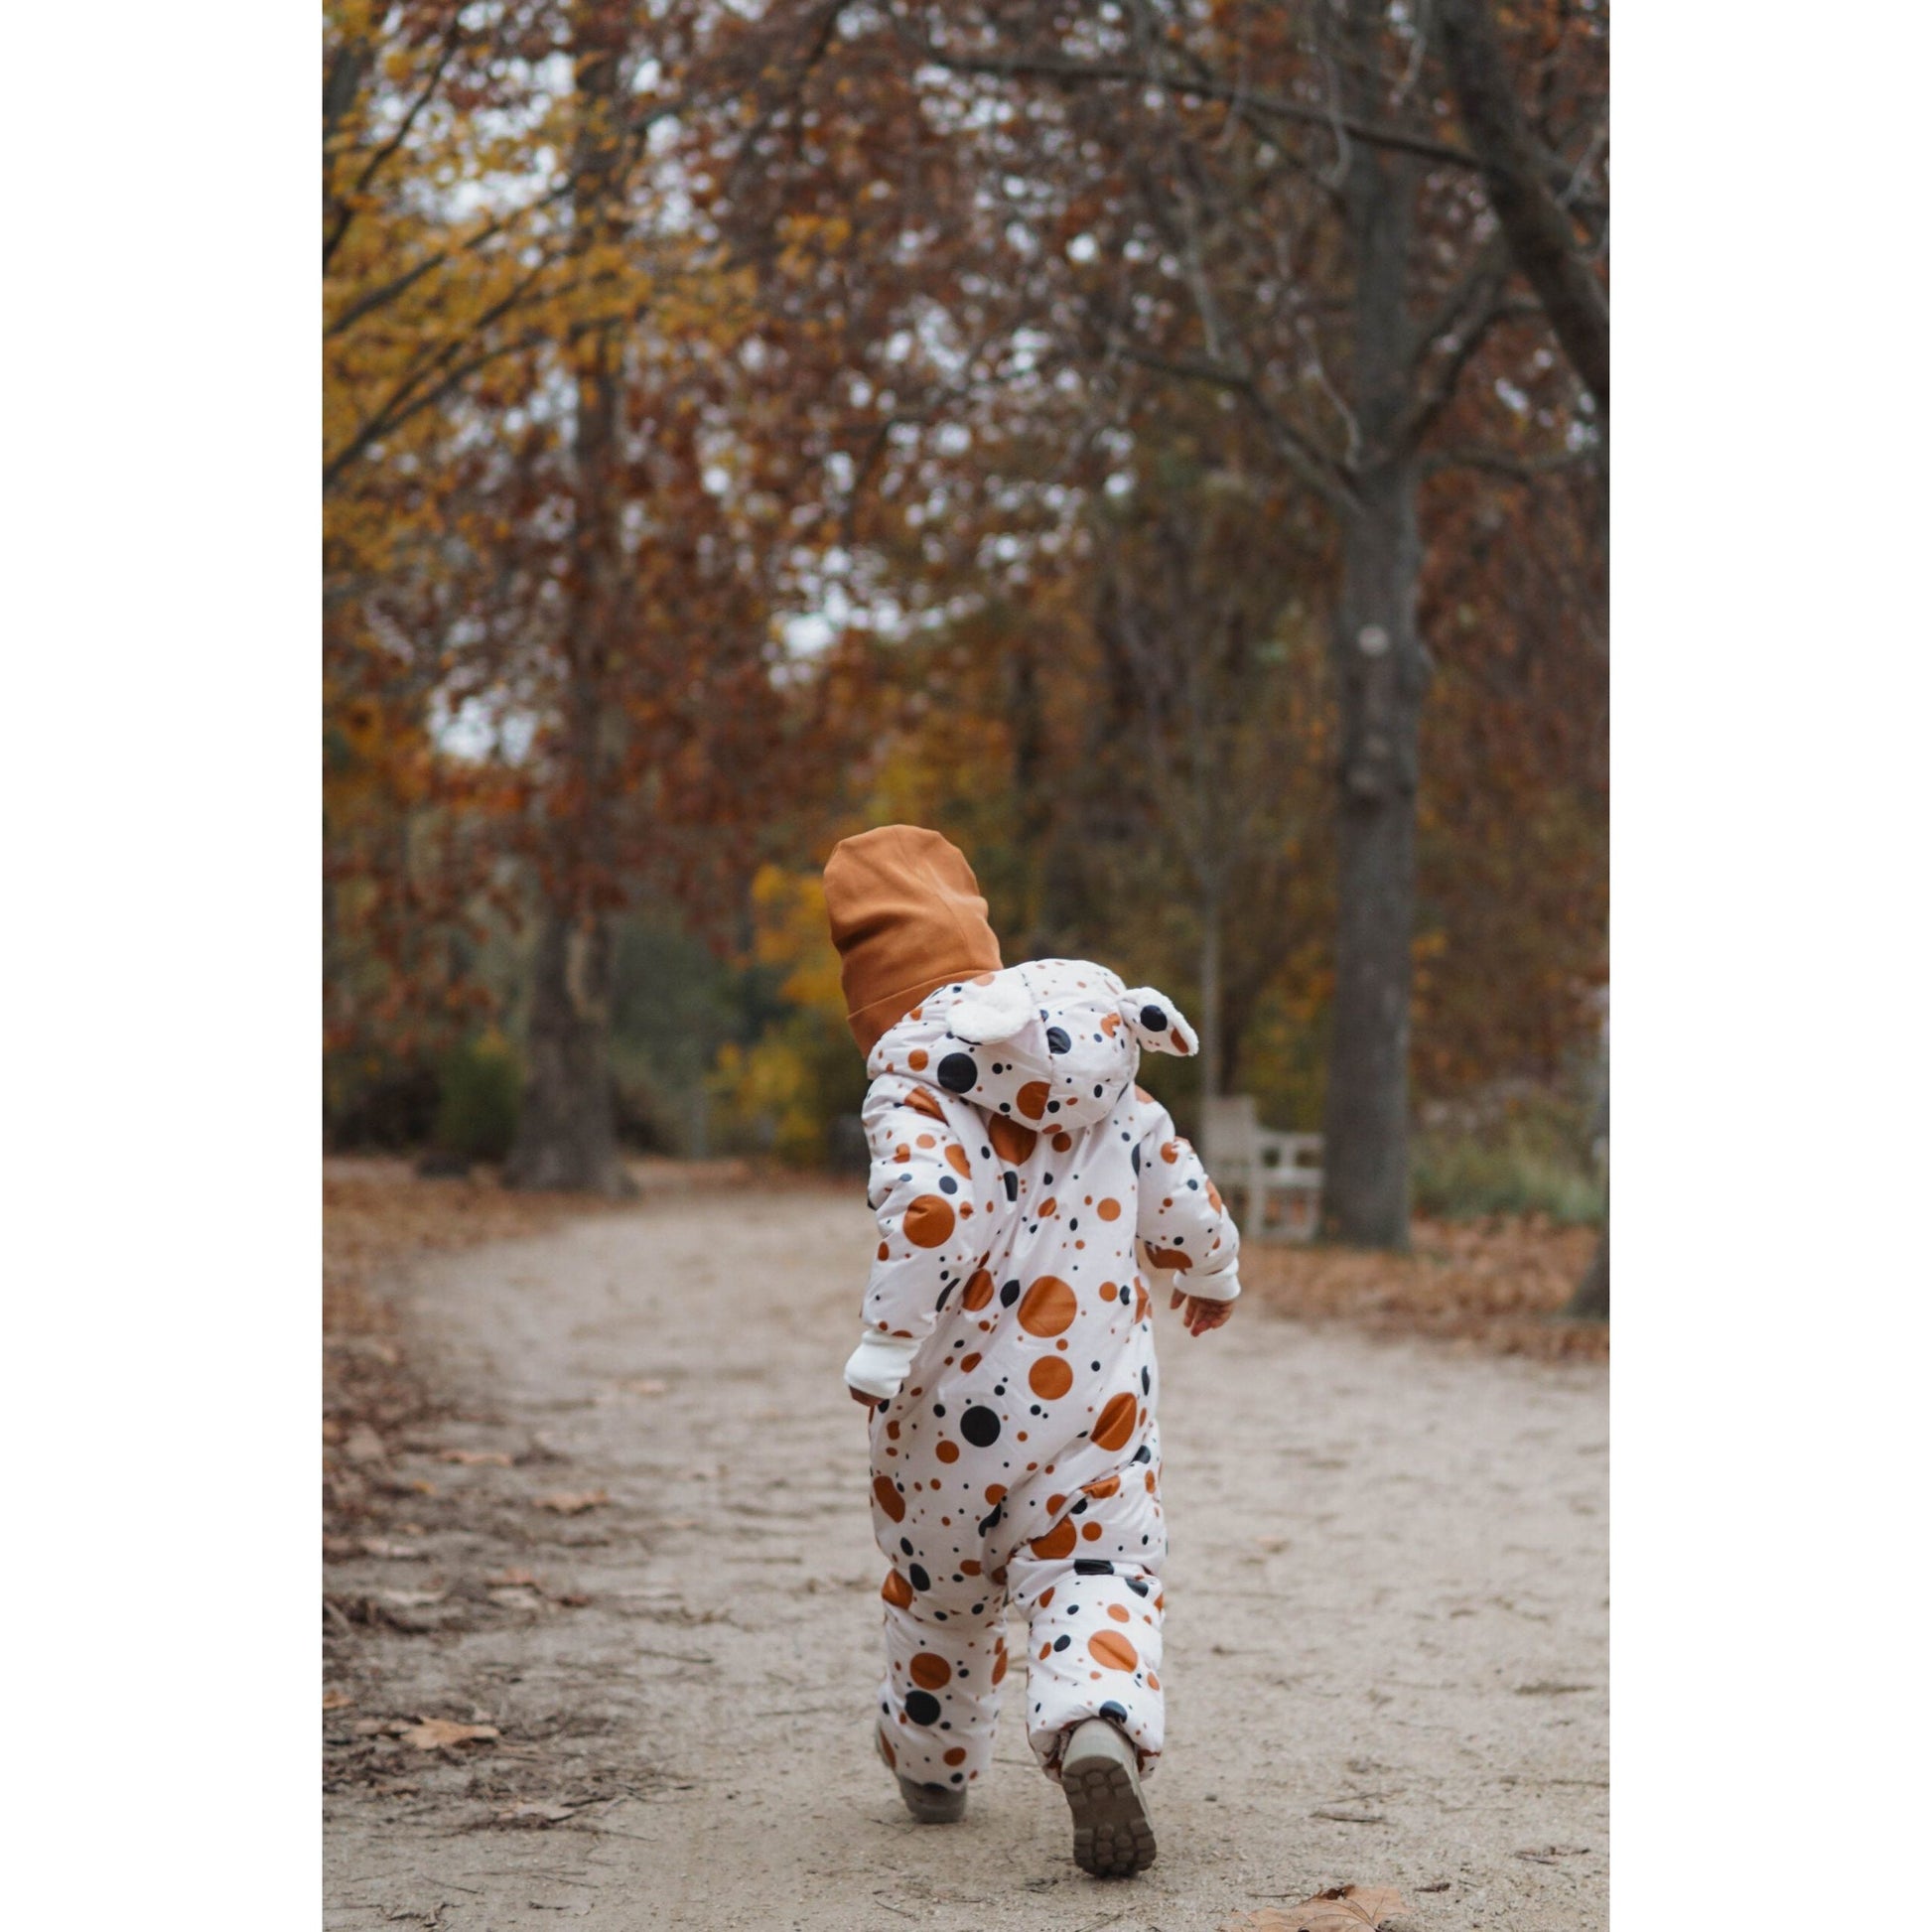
{"x": 1540, "y": 235}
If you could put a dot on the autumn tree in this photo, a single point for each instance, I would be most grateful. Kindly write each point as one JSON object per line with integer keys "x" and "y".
{"x": 1278, "y": 213}
{"x": 543, "y": 432}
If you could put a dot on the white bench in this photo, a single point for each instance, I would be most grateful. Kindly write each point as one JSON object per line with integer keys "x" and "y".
{"x": 1262, "y": 1166}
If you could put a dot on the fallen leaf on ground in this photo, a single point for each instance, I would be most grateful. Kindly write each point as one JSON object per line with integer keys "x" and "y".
{"x": 374, "y": 1546}
{"x": 572, "y": 1502}
{"x": 477, "y": 1459}
{"x": 335, "y": 1699}
{"x": 1342, "y": 1908}
{"x": 432, "y": 1734}
{"x": 364, "y": 1445}
{"x": 531, "y": 1814}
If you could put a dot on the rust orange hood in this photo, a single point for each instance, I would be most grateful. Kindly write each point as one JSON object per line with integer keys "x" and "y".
{"x": 907, "y": 916}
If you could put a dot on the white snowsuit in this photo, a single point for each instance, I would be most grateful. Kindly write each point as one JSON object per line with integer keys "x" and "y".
{"x": 1015, "y": 1167}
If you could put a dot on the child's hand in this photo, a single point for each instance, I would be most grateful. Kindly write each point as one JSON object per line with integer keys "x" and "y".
{"x": 1202, "y": 1316}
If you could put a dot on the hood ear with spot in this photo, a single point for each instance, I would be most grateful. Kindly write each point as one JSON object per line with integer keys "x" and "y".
{"x": 993, "y": 1012}
{"x": 1157, "y": 1022}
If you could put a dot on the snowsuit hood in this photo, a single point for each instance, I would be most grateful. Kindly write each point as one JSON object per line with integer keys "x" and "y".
{"x": 907, "y": 917}
{"x": 1047, "y": 1045}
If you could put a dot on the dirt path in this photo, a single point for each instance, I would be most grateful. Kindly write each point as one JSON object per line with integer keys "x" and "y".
{"x": 1386, "y": 1638}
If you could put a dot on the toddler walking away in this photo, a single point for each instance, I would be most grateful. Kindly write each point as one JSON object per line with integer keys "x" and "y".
{"x": 1007, "y": 1353}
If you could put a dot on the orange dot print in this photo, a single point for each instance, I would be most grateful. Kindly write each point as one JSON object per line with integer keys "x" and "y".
{"x": 928, "y": 1221}
{"x": 956, "y": 1160}
{"x": 979, "y": 1289}
{"x": 957, "y": 1756}
{"x": 923, "y": 1102}
{"x": 915, "y": 1059}
{"x": 947, "y": 1451}
{"x": 1058, "y": 1542}
{"x": 1118, "y": 1611}
{"x": 999, "y": 1663}
{"x": 1108, "y": 1210}
{"x": 930, "y": 1671}
{"x": 1116, "y": 1422}
{"x": 1049, "y": 1378}
{"x": 1031, "y": 1099}
{"x": 896, "y": 1591}
{"x": 1010, "y": 1142}
{"x": 889, "y": 1498}
{"x": 1092, "y": 1531}
{"x": 1047, "y": 1308}
{"x": 1110, "y": 1648}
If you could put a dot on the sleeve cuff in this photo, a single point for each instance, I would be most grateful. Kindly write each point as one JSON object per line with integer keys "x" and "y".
{"x": 1212, "y": 1288}
{"x": 878, "y": 1366}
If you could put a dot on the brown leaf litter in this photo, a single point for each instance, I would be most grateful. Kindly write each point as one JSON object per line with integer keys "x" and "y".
{"x": 1498, "y": 1285}
{"x": 1342, "y": 1909}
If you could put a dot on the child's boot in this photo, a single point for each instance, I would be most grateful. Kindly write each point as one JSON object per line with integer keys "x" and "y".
{"x": 929, "y": 1804}
{"x": 1101, "y": 1775}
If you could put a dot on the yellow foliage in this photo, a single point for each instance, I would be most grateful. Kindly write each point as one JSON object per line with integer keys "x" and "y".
{"x": 788, "y": 912}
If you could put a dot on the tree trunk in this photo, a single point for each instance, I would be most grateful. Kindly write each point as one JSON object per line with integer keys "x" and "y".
{"x": 1380, "y": 676}
{"x": 1209, "y": 1027}
{"x": 566, "y": 1133}
{"x": 1591, "y": 1300}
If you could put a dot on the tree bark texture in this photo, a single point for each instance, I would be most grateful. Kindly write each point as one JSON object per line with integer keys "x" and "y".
{"x": 566, "y": 1134}
{"x": 566, "y": 1131}
{"x": 1380, "y": 673}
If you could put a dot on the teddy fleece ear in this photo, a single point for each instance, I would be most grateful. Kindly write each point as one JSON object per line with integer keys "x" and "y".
{"x": 993, "y": 1012}
{"x": 1157, "y": 1022}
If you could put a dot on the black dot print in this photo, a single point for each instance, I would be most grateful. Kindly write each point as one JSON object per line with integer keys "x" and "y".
{"x": 958, "y": 1073}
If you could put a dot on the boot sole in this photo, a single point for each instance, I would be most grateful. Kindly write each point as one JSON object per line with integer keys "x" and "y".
{"x": 1113, "y": 1836}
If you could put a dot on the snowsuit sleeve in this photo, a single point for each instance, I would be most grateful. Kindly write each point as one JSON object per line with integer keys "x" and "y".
{"x": 922, "y": 1190}
{"x": 1184, "y": 1224}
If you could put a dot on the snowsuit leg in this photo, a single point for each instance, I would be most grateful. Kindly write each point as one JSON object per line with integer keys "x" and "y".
{"x": 1090, "y": 1590}
{"x": 945, "y": 1655}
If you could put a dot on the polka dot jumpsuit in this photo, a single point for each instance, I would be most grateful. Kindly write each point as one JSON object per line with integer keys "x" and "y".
{"x": 1018, "y": 1174}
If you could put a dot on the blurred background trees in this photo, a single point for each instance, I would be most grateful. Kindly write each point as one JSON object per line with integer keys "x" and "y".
{"x": 1161, "y": 447}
